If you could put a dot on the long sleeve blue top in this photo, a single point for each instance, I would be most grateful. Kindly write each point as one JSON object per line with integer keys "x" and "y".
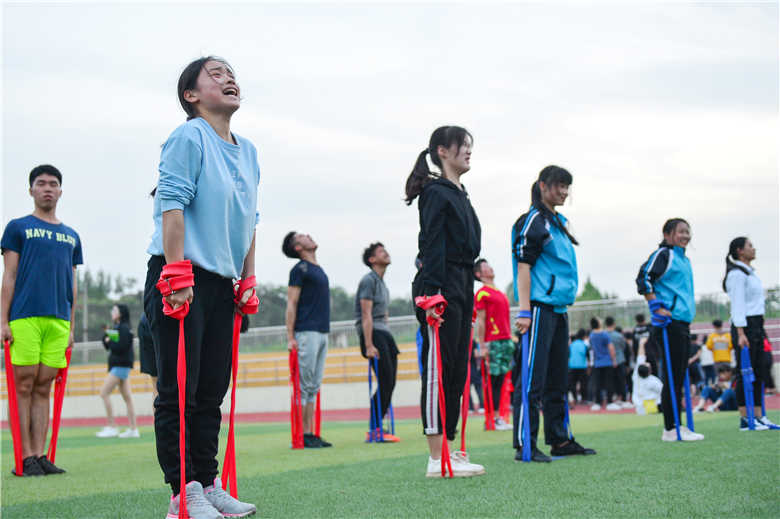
{"x": 214, "y": 183}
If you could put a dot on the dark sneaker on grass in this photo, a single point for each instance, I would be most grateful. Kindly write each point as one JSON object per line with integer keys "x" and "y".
{"x": 536, "y": 456}
{"x": 226, "y": 504}
{"x": 49, "y": 467}
{"x": 571, "y": 448}
{"x": 30, "y": 467}
{"x": 323, "y": 443}
{"x": 311, "y": 442}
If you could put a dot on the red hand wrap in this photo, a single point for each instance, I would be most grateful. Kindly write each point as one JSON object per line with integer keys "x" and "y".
{"x": 253, "y": 303}
{"x": 437, "y": 302}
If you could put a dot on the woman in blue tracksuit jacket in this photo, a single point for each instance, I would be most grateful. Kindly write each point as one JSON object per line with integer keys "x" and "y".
{"x": 666, "y": 281}
{"x": 545, "y": 276}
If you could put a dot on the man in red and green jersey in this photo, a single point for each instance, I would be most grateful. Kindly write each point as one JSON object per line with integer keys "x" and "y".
{"x": 493, "y": 331}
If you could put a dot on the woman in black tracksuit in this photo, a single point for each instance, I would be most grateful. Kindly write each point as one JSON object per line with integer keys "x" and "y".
{"x": 449, "y": 242}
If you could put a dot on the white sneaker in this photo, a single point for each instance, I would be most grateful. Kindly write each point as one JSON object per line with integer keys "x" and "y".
{"x": 627, "y": 405}
{"x": 614, "y": 406}
{"x": 689, "y": 436}
{"x": 434, "y": 468}
{"x": 670, "y": 435}
{"x": 462, "y": 467}
{"x": 501, "y": 425}
{"x": 711, "y": 408}
{"x": 768, "y": 423}
{"x": 595, "y": 407}
{"x": 130, "y": 433}
{"x": 198, "y": 506}
{"x": 107, "y": 432}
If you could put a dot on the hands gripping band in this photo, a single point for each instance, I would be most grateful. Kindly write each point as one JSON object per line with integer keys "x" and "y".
{"x": 176, "y": 276}
{"x": 250, "y": 307}
{"x": 655, "y": 305}
{"x": 523, "y": 314}
{"x": 439, "y": 304}
{"x": 656, "y": 319}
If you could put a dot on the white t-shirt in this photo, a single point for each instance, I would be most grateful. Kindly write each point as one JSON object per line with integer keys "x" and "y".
{"x": 706, "y": 358}
{"x": 648, "y": 388}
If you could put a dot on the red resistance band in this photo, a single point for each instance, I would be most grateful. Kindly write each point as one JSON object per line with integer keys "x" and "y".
{"x": 176, "y": 276}
{"x": 439, "y": 304}
{"x": 296, "y": 415}
{"x": 13, "y": 409}
{"x": 464, "y": 406}
{"x": 487, "y": 391}
{"x": 507, "y": 388}
{"x": 296, "y": 407}
{"x": 251, "y": 306}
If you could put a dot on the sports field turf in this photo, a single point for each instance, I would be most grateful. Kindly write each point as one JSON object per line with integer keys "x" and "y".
{"x": 729, "y": 474}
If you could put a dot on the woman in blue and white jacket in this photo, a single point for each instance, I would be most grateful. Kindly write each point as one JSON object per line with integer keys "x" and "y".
{"x": 545, "y": 278}
{"x": 666, "y": 281}
{"x": 747, "y": 324}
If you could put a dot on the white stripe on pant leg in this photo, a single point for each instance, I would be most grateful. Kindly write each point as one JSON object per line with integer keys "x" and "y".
{"x": 531, "y": 338}
{"x": 432, "y": 389}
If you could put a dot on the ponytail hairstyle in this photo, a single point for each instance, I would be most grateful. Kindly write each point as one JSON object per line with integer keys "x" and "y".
{"x": 551, "y": 175}
{"x": 421, "y": 174}
{"x": 733, "y": 256}
{"x": 669, "y": 226}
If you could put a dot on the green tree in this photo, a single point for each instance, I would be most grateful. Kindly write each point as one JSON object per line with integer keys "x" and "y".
{"x": 589, "y": 292}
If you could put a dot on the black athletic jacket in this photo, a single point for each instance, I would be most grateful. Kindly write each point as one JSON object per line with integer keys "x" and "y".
{"x": 120, "y": 353}
{"x": 449, "y": 232}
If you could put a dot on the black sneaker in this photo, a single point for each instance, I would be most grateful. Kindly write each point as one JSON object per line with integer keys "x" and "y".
{"x": 323, "y": 443}
{"x": 30, "y": 467}
{"x": 311, "y": 442}
{"x": 536, "y": 456}
{"x": 49, "y": 467}
{"x": 570, "y": 448}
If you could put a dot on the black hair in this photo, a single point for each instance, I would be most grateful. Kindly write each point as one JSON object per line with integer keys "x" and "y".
{"x": 288, "y": 245}
{"x": 669, "y": 227}
{"x": 45, "y": 169}
{"x": 643, "y": 371}
{"x": 421, "y": 174}
{"x": 369, "y": 252}
{"x": 723, "y": 368}
{"x": 124, "y": 313}
{"x": 581, "y": 333}
{"x": 733, "y": 256}
{"x": 478, "y": 268}
{"x": 717, "y": 323}
{"x": 189, "y": 79}
{"x": 639, "y": 318}
{"x": 551, "y": 175}
{"x": 594, "y": 323}
{"x": 609, "y": 320}
{"x": 618, "y": 329}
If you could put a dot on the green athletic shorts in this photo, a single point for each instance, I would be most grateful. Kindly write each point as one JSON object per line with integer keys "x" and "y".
{"x": 39, "y": 340}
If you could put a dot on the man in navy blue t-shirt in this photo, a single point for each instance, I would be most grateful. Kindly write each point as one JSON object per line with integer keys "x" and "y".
{"x": 308, "y": 324}
{"x": 40, "y": 255}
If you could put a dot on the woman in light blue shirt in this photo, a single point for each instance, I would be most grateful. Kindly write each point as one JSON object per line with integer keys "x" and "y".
{"x": 205, "y": 211}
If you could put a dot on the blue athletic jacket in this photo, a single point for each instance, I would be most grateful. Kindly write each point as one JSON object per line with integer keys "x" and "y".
{"x": 668, "y": 274}
{"x": 546, "y": 248}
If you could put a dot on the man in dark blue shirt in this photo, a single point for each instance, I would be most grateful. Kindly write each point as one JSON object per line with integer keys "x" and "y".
{"x": 40, "y": 255}
{"x": 308, "y": 324}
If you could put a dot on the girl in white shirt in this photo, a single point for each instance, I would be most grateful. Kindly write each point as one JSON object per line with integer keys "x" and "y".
{"x": 747, "y": 321}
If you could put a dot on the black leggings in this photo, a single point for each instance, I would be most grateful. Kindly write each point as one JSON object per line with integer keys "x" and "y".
{"x": 755, "y": 335}
{"x": 679, "y": 344}
{"x": 496, "y": 384}
{"x": 454, "y": 335}
{"x": 208, "y": 331}
{"x": 388, "y": 367}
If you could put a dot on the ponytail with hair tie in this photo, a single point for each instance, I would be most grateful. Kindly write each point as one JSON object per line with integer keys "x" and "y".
{"x": 731, "y": 258}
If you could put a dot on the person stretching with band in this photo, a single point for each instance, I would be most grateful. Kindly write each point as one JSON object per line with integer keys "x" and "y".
{"x": 747, "y": 325}
{"x": 205, "y": 212}
{"x": 545, "y": 282}
{"x": 40, "y": 254}
{"x": 449, "y": 242}
{"x": 666, "y": 282}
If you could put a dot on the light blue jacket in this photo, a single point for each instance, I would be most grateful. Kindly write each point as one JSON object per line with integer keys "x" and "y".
{"x": 669, "y": 275}
{"x": 215, "y": 183}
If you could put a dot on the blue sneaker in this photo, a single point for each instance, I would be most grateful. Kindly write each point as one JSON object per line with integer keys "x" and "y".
{"x": 768, "y": 423}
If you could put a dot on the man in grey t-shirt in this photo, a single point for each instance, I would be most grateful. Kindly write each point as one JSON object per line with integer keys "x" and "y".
{"x": 617, "y": 339}
{"x": 371, "y": 313}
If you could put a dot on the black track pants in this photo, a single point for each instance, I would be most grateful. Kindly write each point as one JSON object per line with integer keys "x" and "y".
{"x": 208, "y": 330}
{"x": 755, "y": 335}
{"x": 548, "y": 368}
{"x": 679, "y": 343}
{"x": 388, "y": 367}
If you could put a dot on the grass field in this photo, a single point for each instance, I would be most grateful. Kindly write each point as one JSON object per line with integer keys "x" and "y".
{"x": 730, "y": 474}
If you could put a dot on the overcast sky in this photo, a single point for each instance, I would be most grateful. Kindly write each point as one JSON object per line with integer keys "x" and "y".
{"x": 657, "y": 109}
